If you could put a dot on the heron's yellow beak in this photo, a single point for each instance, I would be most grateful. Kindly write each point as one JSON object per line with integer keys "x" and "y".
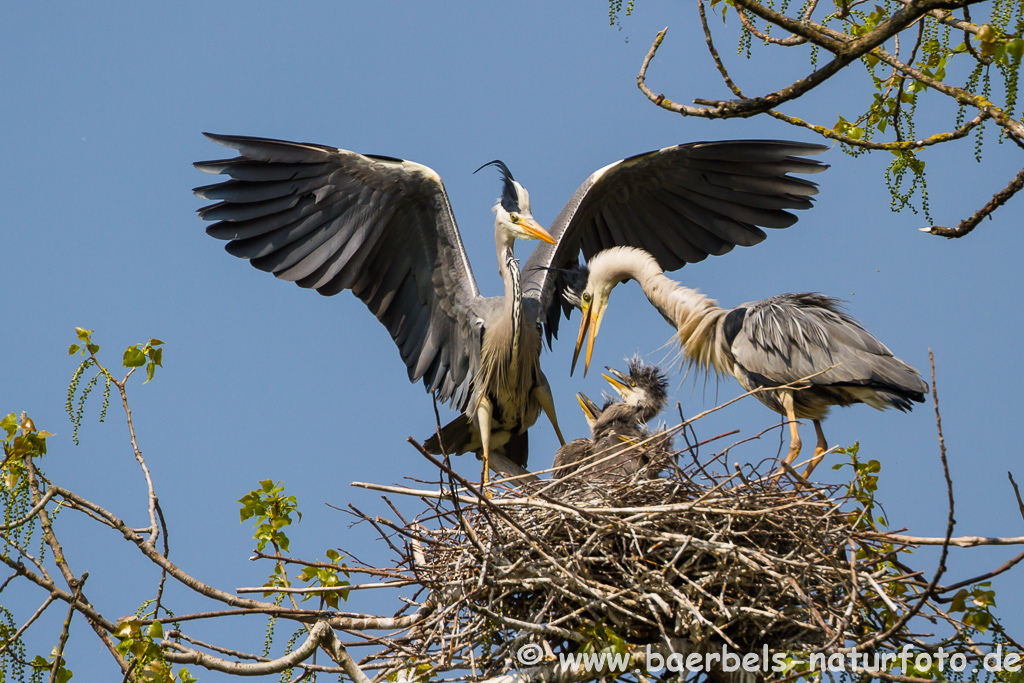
{"x": 535, "y": 231}
{"x": 588, "y": 407}
{"x": 616, "y": 384}
{"x": 592, "y": 314}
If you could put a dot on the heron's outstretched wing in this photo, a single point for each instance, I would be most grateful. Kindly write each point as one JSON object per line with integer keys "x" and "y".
{"x": 680, "y": 204}
{"x": 329, "y": 219}
{"x": 789, "y": 337}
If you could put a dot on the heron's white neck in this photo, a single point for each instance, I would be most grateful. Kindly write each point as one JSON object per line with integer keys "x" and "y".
{"x": 696, "y": 317}
{"x": 512, "y": 311}
{"x": 503, "y": 243}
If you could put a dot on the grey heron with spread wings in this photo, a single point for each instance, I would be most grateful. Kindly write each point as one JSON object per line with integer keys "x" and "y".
{"x": 329, "y": 219}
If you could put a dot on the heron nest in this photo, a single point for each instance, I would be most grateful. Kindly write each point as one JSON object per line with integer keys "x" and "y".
{"x": 689, "y": 555}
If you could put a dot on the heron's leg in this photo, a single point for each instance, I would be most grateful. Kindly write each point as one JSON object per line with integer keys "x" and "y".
{"x": 794, "y": 436}
{"x": 483, "y": 423}
{"x": 542, "y": 394}
{"x": 819, "y": 451}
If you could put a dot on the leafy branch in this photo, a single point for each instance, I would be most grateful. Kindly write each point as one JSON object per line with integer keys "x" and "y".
{"x": 909, "y": 49}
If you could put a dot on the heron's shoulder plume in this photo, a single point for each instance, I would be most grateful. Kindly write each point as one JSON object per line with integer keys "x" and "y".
{"x": 815, "y": 300}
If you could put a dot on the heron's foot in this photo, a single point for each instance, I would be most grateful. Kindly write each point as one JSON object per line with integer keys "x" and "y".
{"x": 794, "y": 451}
{"x": 485, "y": 477}
{"x": 819, "y": 453}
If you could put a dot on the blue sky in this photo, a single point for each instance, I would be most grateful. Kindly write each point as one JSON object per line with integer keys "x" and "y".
{"x": 101, "y": 120}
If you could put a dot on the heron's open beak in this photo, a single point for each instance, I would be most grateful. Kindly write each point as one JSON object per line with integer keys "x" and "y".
{"x": 535, "y": 231}
{"x": 584, "y": 326}
{"x": 590, "y": 409}
{"x": 620, "y": 382}
{"x": 592, "y": 315}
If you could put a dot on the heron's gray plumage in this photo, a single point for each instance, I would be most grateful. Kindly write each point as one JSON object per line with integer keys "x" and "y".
{"x": 791, "y": 336}
{"x": 799, "y": 349}
{"x": 329, "y": 219}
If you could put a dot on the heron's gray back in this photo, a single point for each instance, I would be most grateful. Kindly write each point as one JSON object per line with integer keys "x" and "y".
{"x": 793, "y": 337}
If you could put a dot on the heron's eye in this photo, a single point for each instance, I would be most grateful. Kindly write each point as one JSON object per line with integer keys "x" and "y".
{"x": 586, "y": 297}
{"x": 632, "y": 383}
{"x": 514, "y": 217}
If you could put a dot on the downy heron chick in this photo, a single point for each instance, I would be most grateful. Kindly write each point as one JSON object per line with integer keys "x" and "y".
{"x": 802, "y": 351}
{"x": 611, "y": 452}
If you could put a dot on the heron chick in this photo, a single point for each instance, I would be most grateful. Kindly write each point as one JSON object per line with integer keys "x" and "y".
{"x": 611, "y": 452}
{"x": 802, "y": 352}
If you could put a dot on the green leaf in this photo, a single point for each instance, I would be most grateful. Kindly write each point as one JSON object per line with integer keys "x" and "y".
{"x": 93, "y": 348}
{"x": 83, "y": 334}
{"x": 138, "y": 647}
{"x": 959, "y": 603}
{"x": 150, "y": 371}
{"x": 63, "y": 675}
{"x": 9, "y": 424}
{"x": 1015, "y": 48}
{"x": 73, "y": 349}
{"x": 156, "y": 630}
{"x": 133, "y": 357}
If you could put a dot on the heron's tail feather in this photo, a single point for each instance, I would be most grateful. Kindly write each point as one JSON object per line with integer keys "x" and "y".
{"x": 900, "y": 385}
{"x": 457, "y": 437}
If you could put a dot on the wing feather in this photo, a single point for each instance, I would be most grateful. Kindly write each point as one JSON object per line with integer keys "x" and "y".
{"x": 681, "y": 203}
{"x": 329, "y": 219}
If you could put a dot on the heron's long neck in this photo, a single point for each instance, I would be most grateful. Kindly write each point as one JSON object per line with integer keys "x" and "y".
{"x": 510, "y": 357}
{"x": 512, "y": 312}
{"x": 696, "y": 317}
{"x": 513, "y": 301}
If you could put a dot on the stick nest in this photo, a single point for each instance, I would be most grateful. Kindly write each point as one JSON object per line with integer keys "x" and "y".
{"x": 710, "y": 558}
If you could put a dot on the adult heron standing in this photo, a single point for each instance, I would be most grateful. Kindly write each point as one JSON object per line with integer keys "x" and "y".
{"x": 330, "y": 219}
{"x": 802, "y": 351}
